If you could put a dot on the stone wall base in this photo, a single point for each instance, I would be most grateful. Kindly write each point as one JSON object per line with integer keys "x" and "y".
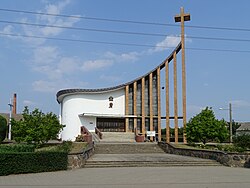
{"x": 227, "y": 159}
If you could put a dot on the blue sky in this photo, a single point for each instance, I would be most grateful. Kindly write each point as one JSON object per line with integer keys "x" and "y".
{"x": 36, "y": 69}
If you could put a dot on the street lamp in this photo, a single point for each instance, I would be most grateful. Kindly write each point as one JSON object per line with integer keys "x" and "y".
{"x": 231, "y": 124}
{"x": 11, "y": 105}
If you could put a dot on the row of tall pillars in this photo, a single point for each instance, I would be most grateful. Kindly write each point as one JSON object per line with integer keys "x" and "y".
{"x": 151, "y": 112}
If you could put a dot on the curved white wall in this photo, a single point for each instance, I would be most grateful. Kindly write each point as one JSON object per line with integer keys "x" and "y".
{"x": 97, "y": 103}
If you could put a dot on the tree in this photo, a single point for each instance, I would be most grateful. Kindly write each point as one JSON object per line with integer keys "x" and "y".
{"x": 235, "y": 126}
{"x": 204, "y": 127}
{"x": 36, "y": 127}
{"x": 3, "y": 128}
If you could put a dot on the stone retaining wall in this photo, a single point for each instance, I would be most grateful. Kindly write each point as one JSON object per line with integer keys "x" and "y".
{"x": 227, "y": 159}
{"x": 78, "y": 160}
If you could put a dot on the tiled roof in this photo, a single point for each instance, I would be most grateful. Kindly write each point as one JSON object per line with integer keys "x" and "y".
{"x": 244, "y": 126}
{"x": 14, "y": 116}
{"x": 60, "y": 94}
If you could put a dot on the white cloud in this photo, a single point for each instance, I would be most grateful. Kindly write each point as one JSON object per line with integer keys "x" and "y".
{"x": 28, "y": 103}
{"x": 68, "y": 65}
{"x": 194, "y": 109}
{"x": 7, "y": 29}
{"x": 110, "y": 78}
{"x": 124, "y": 57}
{"x": 169, "y": 42}
{"x": 45, "y": 20}
{"x": 52, "y": 86}
{"x": 44, "y": 55}
{"x": 45, "y": 86}
{"x": 96, "y": 64}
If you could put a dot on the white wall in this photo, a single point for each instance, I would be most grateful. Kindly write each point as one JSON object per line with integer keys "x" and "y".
{"x": 97, "y": 103}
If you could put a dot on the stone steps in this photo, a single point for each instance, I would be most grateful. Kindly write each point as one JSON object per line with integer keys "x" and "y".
{"x": 114, "y": 137}
{"x": 95, "y": 137}
{"x": 127, "y": 148}
{"x": 109, "y": 155}
{"x": 112, "y": 164}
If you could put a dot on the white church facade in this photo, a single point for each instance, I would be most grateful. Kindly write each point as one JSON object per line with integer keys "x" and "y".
{"x": 129, "y": 107}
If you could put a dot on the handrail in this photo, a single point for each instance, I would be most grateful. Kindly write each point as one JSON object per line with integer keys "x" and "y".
{"x": 86, "y": 134}
{"x": 98, "y": 132}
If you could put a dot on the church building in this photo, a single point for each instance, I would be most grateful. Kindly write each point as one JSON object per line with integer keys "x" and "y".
{"x": 125, "y": 108}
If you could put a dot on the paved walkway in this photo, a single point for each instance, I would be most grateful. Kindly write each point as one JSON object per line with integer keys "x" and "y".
{"x": 143, "y": 177}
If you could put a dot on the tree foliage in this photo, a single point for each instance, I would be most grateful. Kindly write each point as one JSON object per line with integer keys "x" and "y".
{"x": 36, "y": 127}
{"x": 204, "y": 127}
{"x": 3, "y": 128}
{"x": 242, "y": 141}
{"x": 235, "y": 126}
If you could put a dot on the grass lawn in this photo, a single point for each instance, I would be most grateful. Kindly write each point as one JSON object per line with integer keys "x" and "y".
{"x": 75, "y": 147}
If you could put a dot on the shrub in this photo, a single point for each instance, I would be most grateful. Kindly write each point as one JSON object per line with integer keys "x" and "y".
{"x": 17, "y": 148}
{"x": 80, "y": 138}
{"x": 3, "y": 128}
{"x": 242, "y": 141}
{"x": 32, "y": 162}
{"x": 36, "y": 127}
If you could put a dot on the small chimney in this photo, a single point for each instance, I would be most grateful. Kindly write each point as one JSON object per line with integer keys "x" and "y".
{"x": 14, "y": 104}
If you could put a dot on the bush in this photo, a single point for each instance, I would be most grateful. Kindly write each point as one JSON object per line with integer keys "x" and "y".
{"x": 17, "y": 148}
{"x": 3, "y": 128}
{"x": 230, "y": 148}
{"x": 36, "y": 127}
{"x": 32, "y": 162}
{"x": 242, "y": 141}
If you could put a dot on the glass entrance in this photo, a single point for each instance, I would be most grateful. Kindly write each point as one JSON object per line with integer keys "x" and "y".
{"x": 111, "y": 124}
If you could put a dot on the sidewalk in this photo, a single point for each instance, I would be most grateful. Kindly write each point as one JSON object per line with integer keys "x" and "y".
{"x": 142, "y": 177}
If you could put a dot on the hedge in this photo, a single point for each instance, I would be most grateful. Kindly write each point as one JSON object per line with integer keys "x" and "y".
{"x": 17, "y": 148}
{"x": 32, "y": 162}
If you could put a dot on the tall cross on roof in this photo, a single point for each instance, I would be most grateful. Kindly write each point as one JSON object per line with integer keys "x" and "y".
{"x": 182, "y": 17}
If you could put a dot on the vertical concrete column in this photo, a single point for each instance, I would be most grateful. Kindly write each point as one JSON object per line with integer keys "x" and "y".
{"x": 143, "y": 105}
{"x": 126, "y": 108}
{"x": 159, "y": 101}
{"x": 182, "y": 17}
{"x": 167, "y": 101}
{"x": 134, "y": 103}
{"x": 151, "y": 103}
{"x": 184, "y": 103}
{"x": 175, "y": 101}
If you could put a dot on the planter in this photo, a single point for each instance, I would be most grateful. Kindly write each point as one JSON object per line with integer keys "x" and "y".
{"x": 139, "y": 138}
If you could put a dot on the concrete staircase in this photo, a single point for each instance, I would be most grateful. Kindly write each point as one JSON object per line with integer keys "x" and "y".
{"x": 112, "y": 137}
{"x": 139, "y": 155}
{"x": 127, "y": 148}
{"x": 95, "y": 138}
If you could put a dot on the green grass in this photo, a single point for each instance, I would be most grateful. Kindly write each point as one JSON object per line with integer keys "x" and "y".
{"x": 78, "y": 147}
